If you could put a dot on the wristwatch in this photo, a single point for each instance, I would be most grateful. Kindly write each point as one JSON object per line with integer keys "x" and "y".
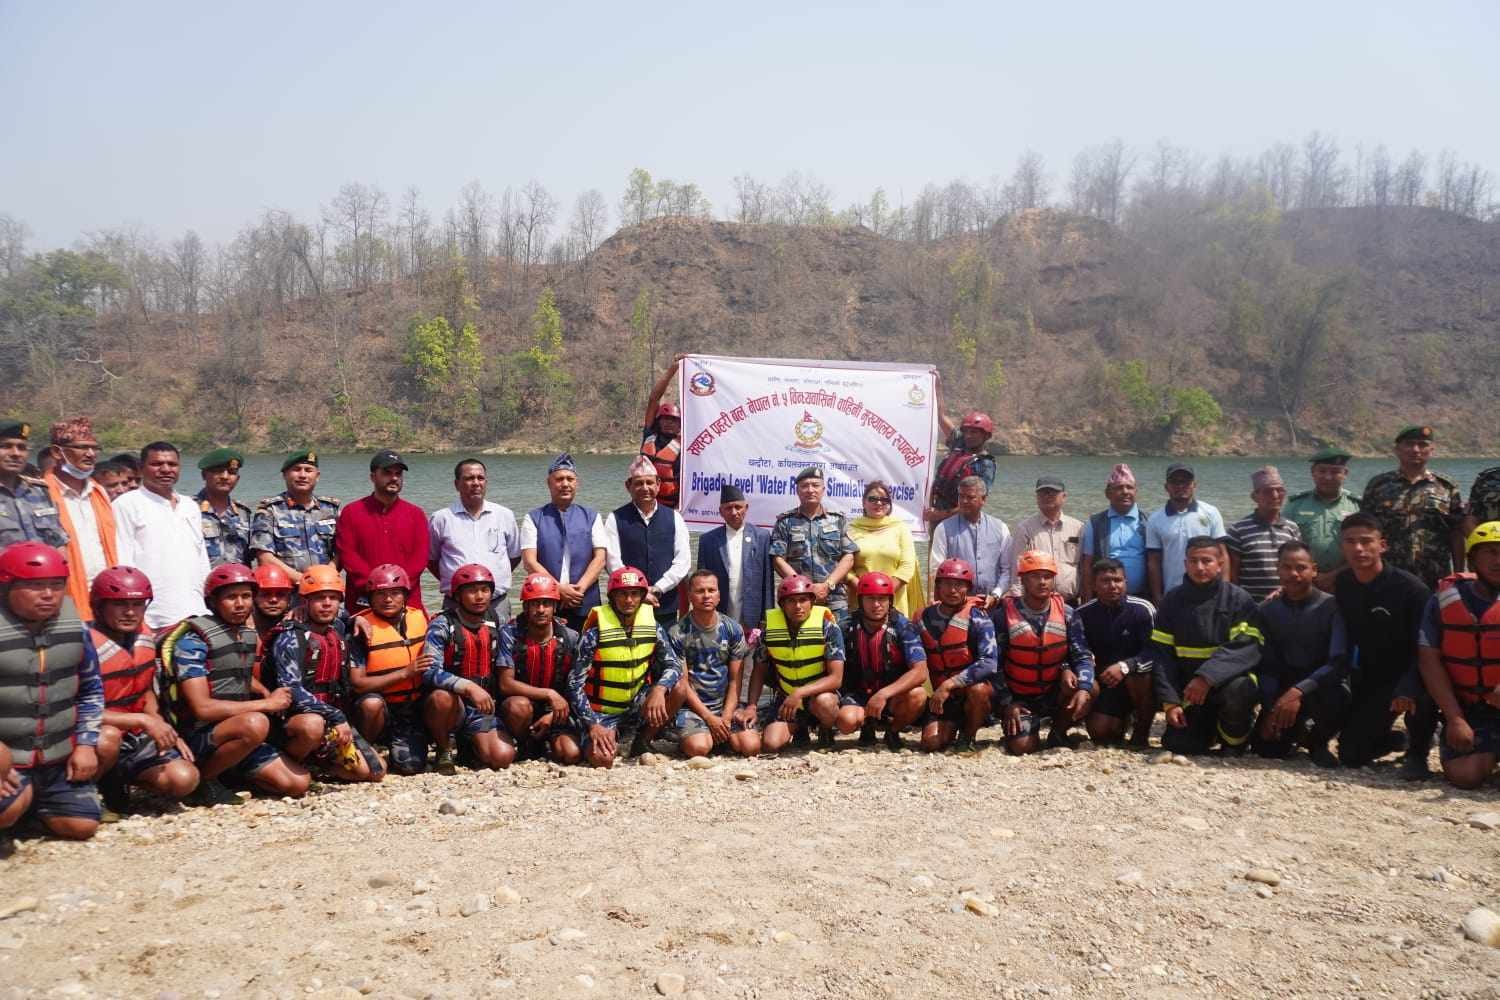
{"x": 1125, "y": 668}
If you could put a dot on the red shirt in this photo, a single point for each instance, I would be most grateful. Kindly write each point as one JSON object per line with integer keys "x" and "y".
{"x": 369, "y": 535}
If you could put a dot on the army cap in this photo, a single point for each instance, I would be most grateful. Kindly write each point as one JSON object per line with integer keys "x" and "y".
{"x": 1414, "y": 432}
{"x": 222, "y": 456}
{"x": 1330, "y": 456}
{"x": 298, "y": 457}
{"x": 12, "y": 429}
{"x": 811, "y": 472}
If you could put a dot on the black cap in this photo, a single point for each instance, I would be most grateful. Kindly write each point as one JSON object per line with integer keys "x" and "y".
{"x": 1050, "y": 483}
{"x": 384, "y": 459}
{"x": 730, "y": 494}
{"x": 1177, "y": 467}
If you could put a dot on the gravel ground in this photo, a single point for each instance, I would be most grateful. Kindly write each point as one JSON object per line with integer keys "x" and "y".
{"x": 856, "y": 873}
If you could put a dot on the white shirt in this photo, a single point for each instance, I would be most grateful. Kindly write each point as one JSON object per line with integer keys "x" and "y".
{"x": 164, "y": 541}
{"x": 565, "y": 572}
{"x": 681, "y": 551}
{"x": 85, "y": 526}
{"x": 734, "y": 553}
{"x": 456, "y": 538}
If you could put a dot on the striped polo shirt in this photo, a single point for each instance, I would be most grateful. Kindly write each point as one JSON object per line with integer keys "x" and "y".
{"x": 1255, "y": 543}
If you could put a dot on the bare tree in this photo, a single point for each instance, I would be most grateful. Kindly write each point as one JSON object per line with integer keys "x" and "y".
{"x": 416, "y": 226}
{"x": 1027, "y": 187}
{"x": 535, "y": 217}
{"x": 590, "y": 219}
{"x": 1381, "y": 185}
{"x": 187, "y": 261}
{"x": 357, "y": 215}
{"x": 1411, "y": 179}
{"x": 753, "y": 200}
{"x": 1322, "y": 175}
{"x": 13, "y": 236}
{"x": 475, "y": 216}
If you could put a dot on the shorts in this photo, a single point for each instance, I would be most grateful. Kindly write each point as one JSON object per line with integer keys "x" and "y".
{"x": 139, "y": 754}
{"x": 953, "y": 708}
{"x": 1113, "y": 701}
{"x": 1034, "y": 711}
{"x": 689, "y": 722}
{"x": 627, "y": 727}
{"x": 1485, "y": 721}
{"x": 201, "y": 742}
{"x": 474, "y": 723}
{"x": 768, "y": 711}
{"x": 52, "y": 794}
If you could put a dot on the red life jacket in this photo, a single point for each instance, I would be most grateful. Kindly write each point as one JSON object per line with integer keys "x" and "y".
{"x": 665, "y": 459}
{"x": 948, "y": 652}
{"x": 955, "y": 467}
{"x": 874, "y": 658}
{"x": 1470, "y": 646}
{"x": 470, "y": 652}
{"x": 1032, "y": 662}
{"x": 321, "y": 657}
{"x": 543, "y": 665}
{"x": 128, "y": 671}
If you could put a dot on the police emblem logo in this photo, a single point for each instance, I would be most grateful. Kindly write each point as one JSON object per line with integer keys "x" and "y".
{"x": 808, "y": 431}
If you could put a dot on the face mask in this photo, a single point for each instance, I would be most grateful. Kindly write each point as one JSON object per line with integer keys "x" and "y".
{"x": 72, "y": 471}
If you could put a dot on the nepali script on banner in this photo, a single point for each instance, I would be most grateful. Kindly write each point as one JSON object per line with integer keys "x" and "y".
{"x": 757, "y": 422}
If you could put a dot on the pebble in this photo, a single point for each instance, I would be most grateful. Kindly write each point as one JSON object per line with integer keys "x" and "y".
{"x": 650, "y": 760}
{"x": 1485, "y": 821}
{"x": 9, "y": 942}
{"x": 701, "y": 764}
{"x": 566, "y": 935}
{"x": 980, "y": 908}
{"x": 1264, "y": 891}
{"x": 1482, "y": 926}
{"x": 19, "y": 905}
{"x": 1165, "y": 757}
{"x": 922, "y": 883}
{"x": 1183, "y": 761}
{"x": 585, "y": 980}
{"x": 505, "y": 894}
{"x": 1265, "y": 876}
{"x": 783, "y": 937}
{"x": 1133, "y": 877}
{"x": 364, "y": 985}
{"x": 744, "y": 776}
{"x": 477, "y": 903}
{"x": 669, "y": 984}
{"x": 1002, "y": 833}
{"x": 452, "y": 807}
{"x": 384, "y": 879}
{"x": 1195, "y": 823}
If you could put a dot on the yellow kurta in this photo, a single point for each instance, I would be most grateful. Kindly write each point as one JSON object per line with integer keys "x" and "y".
{"x": 886, "y": 546}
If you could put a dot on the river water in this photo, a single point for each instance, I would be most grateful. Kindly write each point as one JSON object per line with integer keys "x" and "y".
{"x": 519, "y": 481}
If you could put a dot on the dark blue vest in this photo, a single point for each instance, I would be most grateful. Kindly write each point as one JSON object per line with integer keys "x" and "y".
{"x": 568, "y": 531}
{"x": 649, "y": 547}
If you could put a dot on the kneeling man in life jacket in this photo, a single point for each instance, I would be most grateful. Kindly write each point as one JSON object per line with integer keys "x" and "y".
{"x": 308, "y": 655}
{"x": 137, "y": 745}
{"x": 223, "y": 709}
{"x": 713, "y": 649}
{"x": 273, "y": 598}
{"x": 1046, "y": 669}
{"x": 465, "y": 641}
{"x": 51, "y": 699}
{"x": 1205, "y": 646}
{"x": 537, "y": 652}
{"x": 885, "y": 665}
{"x": 624, "y": 685}
{"x": 801, "y": 655}
{"x": 961, "y": 659}
{"x": 1458, "y": 654}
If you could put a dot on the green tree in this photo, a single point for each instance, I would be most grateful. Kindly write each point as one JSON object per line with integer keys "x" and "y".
{"x": 543, "y": 380}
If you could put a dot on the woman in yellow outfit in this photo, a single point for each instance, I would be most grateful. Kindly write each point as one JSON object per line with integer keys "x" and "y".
{"x": 886, "y": 546}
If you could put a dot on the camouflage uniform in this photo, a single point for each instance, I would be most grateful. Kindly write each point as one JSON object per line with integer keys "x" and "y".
{"x": 226, "y": 535}
{"x": 28, "y": 515}
{"x": 1484, "y": 496}
{"x": 1319, "y": 523}
{"x": 1417, "y": 519}
{"x": 813, "y": 546}
{"x": 298, "y": 536}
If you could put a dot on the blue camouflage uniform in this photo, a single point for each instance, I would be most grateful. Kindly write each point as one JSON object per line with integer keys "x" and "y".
{"x": 226, "y": 536}
{"x": 298, "y": 536}
{"x": 440, "y": 638}
{"x": 813, "y": 546}
{"x": 190, "y": 660}
{"x": 706, "y": 655}
{"x": 27, "y": 514}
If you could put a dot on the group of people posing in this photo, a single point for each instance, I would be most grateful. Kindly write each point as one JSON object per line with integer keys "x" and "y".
{"x": 182, "y": 646}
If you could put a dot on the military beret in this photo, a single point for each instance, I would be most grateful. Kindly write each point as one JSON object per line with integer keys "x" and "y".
{"x": 1414, "y": 432}
{"x": 811, "y": 472}
{"x": 221, "y": 456}
{"x": 1330, "y": 456}
{"x": 298, "y": 457}
{"x": 15, "y": 429}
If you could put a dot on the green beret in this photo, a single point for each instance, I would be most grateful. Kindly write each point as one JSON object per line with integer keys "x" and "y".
{"x": 1330, "y": 456}
{"x": 10, "y": 429}
{"x": 221, "y": 456}
{"x": 1414, "y": 432}
{"x": 298, "y": 457}
{"x": 811, "y": 472}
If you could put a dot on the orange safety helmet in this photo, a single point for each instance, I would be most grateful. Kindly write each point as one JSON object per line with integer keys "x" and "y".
{"x": 954, "y": 569}
{"x": 1033, "y": 561}
{"x": 269, "y": 576}
{"x": 316, "y": 579}
{"x": 875, "y": 585}
{"x": 794, "y": 585}
{"x": 627, "y": 578}
{"x": 540, "y": 587}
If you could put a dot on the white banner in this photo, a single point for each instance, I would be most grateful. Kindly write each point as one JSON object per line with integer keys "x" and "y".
{"x": 756, "y": 422}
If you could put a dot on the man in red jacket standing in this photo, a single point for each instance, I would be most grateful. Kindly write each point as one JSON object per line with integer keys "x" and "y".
{"x": 382, "y": 528}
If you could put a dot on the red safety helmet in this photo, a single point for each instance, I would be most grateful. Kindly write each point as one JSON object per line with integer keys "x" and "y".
{"x": 269, "y": 576}
{"x": 227, "y": 575}
{"x": 539, "y": 587}
{"x": 627, "y": 578}
{"x": 32, "y": 561}
{"x": 793, "y": 585}
{"x": 954, "y": 569}
{"x": 979, "y": 421}
{"x": 669, "y": 410}
{"x": 387, "y": 576}
{"x": 875, "y": 585}
{"x": 120, "y": 583}
{"x": 470, "y": 573}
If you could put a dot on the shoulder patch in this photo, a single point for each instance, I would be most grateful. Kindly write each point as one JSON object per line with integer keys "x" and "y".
{"x": 329, "y": 500}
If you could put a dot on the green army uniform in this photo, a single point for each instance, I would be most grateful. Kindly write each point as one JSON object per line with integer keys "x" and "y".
{"x": 1417, "y": 518}
{"x": 1484, "y": 496}
{"x": 1319, "y": 519}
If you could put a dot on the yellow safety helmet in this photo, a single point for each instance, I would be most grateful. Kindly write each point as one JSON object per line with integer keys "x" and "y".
{"x": 1487, "y": 533}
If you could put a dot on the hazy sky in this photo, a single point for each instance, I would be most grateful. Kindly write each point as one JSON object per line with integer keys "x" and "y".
{"x": 199, "y": 115}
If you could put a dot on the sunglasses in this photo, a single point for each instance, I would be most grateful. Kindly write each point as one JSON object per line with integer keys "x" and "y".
{"x": 884, "y": 501}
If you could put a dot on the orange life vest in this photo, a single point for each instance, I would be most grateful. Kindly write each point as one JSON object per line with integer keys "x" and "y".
{"x": 1470, "y": 646}
{"x": 1032, "y": 662}
{"x": 394, "y": 647}
{"x": 127, "y": 671}
{"x": 949, "y": 652}
{"x": 665, "y": 460}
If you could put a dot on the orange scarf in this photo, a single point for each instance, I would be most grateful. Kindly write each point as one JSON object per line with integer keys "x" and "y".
{"x": 78, "y": 580}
